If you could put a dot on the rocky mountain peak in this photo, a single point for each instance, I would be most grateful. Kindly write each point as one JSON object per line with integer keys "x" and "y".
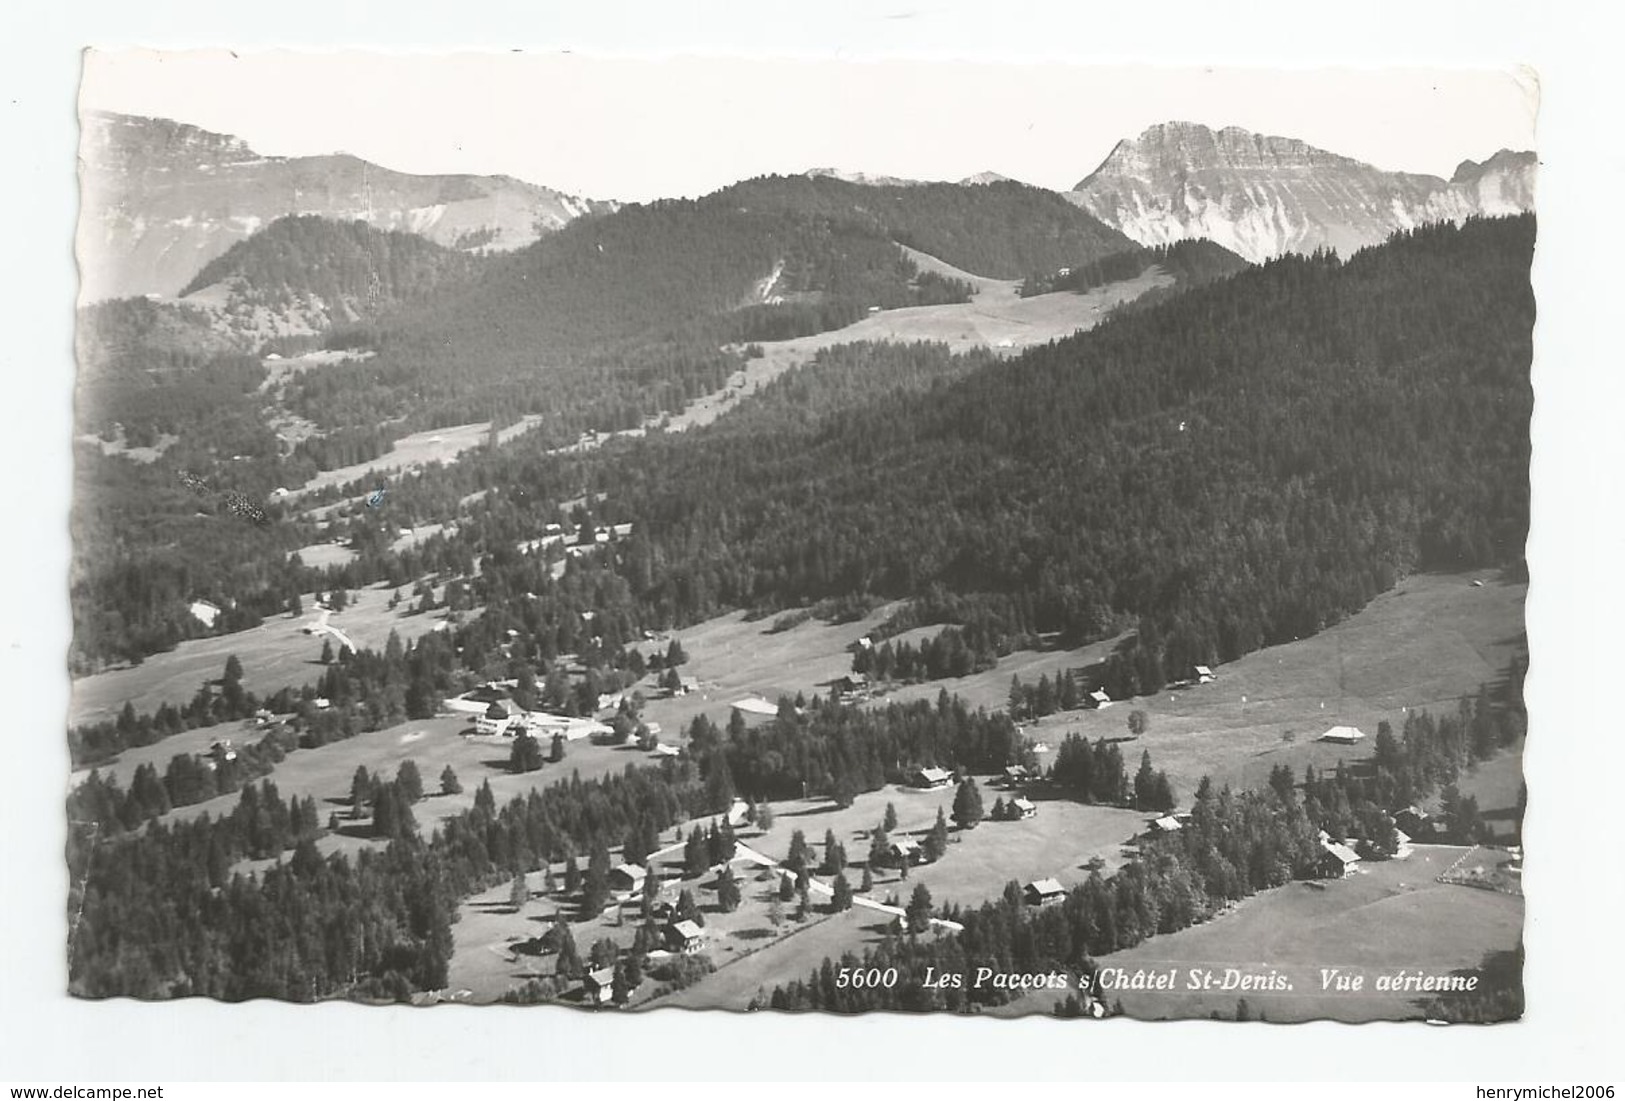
{"x": 1261, "y": 195}
{"x": 163, "y": 198}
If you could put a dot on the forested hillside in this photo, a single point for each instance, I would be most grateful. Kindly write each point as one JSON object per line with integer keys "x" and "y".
{"x": 129, "y": 335}
{"x": 277, "y": 290}
{"x": 1192, "y": 263}
{"x": 345, "y": 265}
{"x": 1004, "y": 230}
{"x": 625, "y": 313}
{"x": 1210, "y": 467}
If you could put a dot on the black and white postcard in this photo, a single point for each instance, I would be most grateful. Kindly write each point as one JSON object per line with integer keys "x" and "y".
{"x": 764, "y": 535}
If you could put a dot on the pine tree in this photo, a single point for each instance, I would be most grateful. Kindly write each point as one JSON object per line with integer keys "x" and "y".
{"x": 595, "y": 888}
{"x": 841, "y": 792}
{"x": 889, "y": 823}
{"x": 327, "y": 651}
{"x": 526, "y": 755}
{"x": 967, "y": 805}
{"x": 879, "y": 843}
{"x": 386, "y": 812}
{"x": 937, "y": 839}
{"x": 568, "y": 963}
{"x": 834, "y": 858}
{"x": 1144, "y": 780}
{"x": 449, "y": 784}
{"x": 842, "y": 899}
{"x": 519, "y": 893}
{"x": 410, "y": 780}
{"x": 686, "y": 909}
{"x": 696, "y": 853}
{"x": 127, "y": 723}
{"x": 360, "y": 790}
{"x": 651, "y": 893}
{"x": 728, "y": 896}
{"x": 800, "y": 855}
{"x": 918, "y": 912}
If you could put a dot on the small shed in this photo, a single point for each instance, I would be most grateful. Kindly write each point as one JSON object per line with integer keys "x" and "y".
{"x": 905, "y": 851}
{"x": 1098, "y": 698}
{"x": 1343, "y": 735}
{"x": 1204, "y": 675}
{"x": 1024, "y": 807}
{"x": 755, "y": 707}
{"x": 1016, "y": 774}
{"x": 1167, "y": 824}
{"x": 1040, "y": 891}
{"x": 204, "y": 612}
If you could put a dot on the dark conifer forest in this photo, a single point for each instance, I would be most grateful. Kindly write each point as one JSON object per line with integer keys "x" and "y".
{"x": 1242, "y": 465}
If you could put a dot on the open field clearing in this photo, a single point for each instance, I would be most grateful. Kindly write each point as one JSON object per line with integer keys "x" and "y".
{"x": 280, "y": 369}
{"x": 441, "y": 445}
{"x": 324, "y": 773}
{"x": 275, "y": 654}
{"x": 1388, "y": 916}
{"x": 321, "y": 556}
{"x": 414, "y": 536}
{"x": 994, "y": 318}
{"x": 1059, "y": 842}
{"x": 792, "y": 957}
{"x": 733, "y": 657}
{"x": 1063, "y": 838}
{"x": 1424, "y": 644}
{"x": 991, "y": 689}
{"x": 118, "y": 446}
{"x": 1494, "y": 783}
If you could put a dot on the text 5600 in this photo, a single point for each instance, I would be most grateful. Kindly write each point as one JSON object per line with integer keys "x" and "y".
{"x": 866, "y": 978}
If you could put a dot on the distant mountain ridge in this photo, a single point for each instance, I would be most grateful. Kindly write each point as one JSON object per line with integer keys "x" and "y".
{"x": 300, "y": 276}
{"x": 160, "y": 199}
{"x": 869, "y": 179}
{"x": 1002, "y": 229}
{"x": 1261, "y": 195}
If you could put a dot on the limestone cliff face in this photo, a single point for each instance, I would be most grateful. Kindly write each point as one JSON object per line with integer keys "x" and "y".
{"x": 1261, "y": 196}
{"x": 160, "y": 199}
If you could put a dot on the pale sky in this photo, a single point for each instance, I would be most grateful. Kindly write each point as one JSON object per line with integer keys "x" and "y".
{"x": 637, "y": 129}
